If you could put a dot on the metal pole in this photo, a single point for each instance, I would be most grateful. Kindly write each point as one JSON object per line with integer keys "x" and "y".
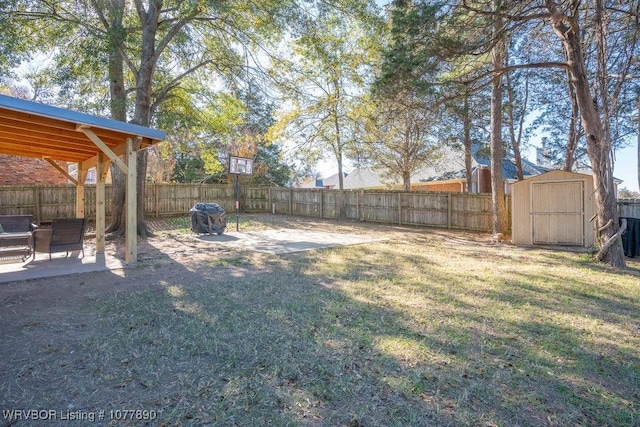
{"x": 237, "y": 201}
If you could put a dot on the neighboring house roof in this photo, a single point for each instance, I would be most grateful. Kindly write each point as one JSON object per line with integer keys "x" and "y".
{"x": 311, "y": 183}
{"x": 329, "y": 182}
{"x": 333, "y": 181}
{"x": 578, "y": 167}
{"x": 509, "y": 172}
{"x": 448, "y": 166}
{"x": 585, "y": 169}
{"x": 363, "y": 178}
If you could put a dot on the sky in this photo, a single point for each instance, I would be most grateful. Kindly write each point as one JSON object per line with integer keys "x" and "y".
{"x": 626, "y": 167}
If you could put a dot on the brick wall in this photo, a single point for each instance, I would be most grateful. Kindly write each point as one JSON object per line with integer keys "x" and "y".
{"x": 448, "y": 187}
{"x": 27, "y": 171}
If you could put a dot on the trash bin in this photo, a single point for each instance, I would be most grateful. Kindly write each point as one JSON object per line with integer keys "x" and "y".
{"x": 208, "y": 218}
{"x": 631, "y": 237}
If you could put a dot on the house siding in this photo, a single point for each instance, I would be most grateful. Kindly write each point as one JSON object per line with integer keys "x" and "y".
{"x": 449, "y": 187}
{"x": 27, "y": 171}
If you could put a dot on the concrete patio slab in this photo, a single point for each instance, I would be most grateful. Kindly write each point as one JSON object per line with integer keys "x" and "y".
{"x": 58, "y": 266}
{"x": 274, "y": 241}
{"x": 284, "y": 241}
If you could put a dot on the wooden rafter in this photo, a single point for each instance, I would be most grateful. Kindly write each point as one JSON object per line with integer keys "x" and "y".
{"x": 61, "y": 170}
{"x": 104, "y": 148}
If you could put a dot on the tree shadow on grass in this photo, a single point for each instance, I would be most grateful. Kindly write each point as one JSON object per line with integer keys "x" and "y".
{"x": 319, "y": 338}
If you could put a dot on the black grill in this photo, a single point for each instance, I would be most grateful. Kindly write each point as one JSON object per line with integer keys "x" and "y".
{"x": 208, "y": 218}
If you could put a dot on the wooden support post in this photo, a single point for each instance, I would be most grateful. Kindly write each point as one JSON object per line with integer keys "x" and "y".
{"x": 82, "y": 176}
{"x": 131, "y": 233}
{"x": 321, "y": 204}
{"x": 399, "y": 208}
{"x": 101, "y": 167}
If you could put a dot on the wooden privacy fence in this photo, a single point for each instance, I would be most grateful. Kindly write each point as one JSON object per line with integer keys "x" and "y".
{"x": 629, "y": 208}
{"x": 447, "y": 210}
{"x": 432, "y": 209}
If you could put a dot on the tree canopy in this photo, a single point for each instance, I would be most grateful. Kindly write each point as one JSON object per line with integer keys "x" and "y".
{"x": 345, "y": 80}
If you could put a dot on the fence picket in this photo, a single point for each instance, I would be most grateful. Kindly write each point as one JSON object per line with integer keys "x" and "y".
{"x": 444, "y": 210}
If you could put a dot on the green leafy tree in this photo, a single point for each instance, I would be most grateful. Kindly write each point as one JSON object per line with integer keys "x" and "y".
{"x": 399, "y": 133}
{"x": 322, "y": 84}
{"x": 145, "y": 50}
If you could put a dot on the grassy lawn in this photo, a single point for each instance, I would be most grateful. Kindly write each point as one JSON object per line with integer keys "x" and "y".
{"x": 426, "y": 328}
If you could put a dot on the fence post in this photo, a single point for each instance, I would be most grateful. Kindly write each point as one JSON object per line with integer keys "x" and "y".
{"x": 449, "y": 210}
{"x": 291, "y": 201}
{"x": 36, "y": 196}
{"x": 399, "y": 208}
{"x": 321, "y": 204}
{"x": 156, "y": 200}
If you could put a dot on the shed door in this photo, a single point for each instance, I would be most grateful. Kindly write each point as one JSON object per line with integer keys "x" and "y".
{"x": 557, "y": 211}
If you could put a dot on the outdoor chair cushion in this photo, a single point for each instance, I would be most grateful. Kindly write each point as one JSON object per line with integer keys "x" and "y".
{"x": 17, "y": 223}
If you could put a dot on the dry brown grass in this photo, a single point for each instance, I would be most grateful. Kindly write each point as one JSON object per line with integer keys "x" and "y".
{"x": 427, "y": 328}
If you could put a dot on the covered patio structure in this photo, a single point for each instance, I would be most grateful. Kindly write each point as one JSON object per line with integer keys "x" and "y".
{"x": 31, "y": 129}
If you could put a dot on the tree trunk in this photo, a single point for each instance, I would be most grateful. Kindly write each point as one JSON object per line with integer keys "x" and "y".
{"x": 118, "y": 106}
{"x": 515, "y": 140}
{"x": 500, "y": 220}
{"x": 142, "y": 112}
{"x": 342, "y": 210}
{"x": 574, "y": 136}
{"x": 406, "y": 180}
{"x": 118, "y": 187}
{"x": 466, "y": 122}
{"x": 598, "y": 146}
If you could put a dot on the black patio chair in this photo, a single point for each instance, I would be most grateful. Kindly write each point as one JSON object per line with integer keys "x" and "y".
{"x": 65, "y": 235}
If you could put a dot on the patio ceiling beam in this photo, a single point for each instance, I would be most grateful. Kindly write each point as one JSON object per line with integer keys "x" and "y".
{"x": 27, "y": 142}
{"x": 61, "y": 133}
{"x": 104, "y": 148}
{"x": 15, "y": 149}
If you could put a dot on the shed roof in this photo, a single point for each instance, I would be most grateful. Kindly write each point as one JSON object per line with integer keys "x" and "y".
{"x": 31, "y": 129}
{"x": 553, "y": 175}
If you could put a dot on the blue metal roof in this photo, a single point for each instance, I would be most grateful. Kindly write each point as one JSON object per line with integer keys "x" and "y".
{"x": 49, "y": 111}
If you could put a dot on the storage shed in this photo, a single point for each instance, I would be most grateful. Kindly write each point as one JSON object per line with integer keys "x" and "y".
{"x": 554, "y": 208}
